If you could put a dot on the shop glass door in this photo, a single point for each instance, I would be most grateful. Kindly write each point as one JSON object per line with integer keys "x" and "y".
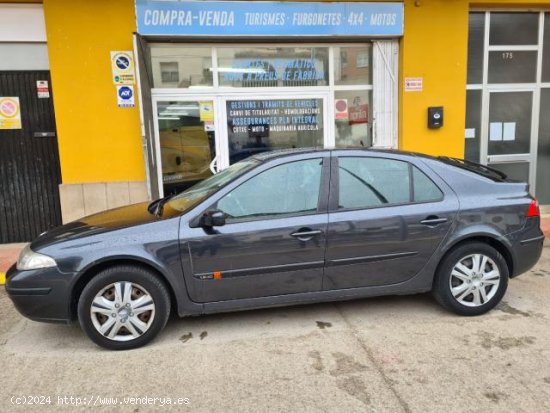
{"x": 201, "y": 135}
{"x": 187, "y": 141}
{"x": 282, "y": 121}
{"x": 509, "y": 133}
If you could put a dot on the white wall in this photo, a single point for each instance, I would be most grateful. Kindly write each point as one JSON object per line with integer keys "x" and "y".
{"x": 22, "y": 23}
{"x": 24, "y": 56}
{"x": 23, "y": 37}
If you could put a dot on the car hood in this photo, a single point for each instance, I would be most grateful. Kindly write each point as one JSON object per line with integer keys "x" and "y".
{"x": 102, "y": 222}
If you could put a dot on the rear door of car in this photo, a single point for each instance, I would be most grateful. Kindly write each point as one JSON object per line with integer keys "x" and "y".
{"x": 387, "y": 216}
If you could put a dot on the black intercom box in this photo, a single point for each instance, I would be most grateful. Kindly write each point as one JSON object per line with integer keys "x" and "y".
{"x": 435, "y": 117}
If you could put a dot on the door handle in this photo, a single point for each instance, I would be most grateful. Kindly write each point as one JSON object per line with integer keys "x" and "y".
{"x": 433, "y": 221}
{"x": 214, "y": 166}
{"x": 304, "y": 235}
{"x": 43, "y": 135}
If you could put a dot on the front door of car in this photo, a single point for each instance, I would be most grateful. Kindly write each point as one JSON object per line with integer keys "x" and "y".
{"x": 273, "y": 241}
{"x": 386, "y": 219}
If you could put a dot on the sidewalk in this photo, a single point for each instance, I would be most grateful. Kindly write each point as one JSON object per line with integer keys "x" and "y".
{"x": 545, "y": 225}
{"x": 8, "y": 255}
{"x": 10, "y": 252}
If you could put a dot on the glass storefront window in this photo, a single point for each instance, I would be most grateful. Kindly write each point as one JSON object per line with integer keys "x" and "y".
{"x": 514, "y": 28}
{"x": 510, "y": 99}
{"x": 543, "y": 154}
{"x": 510, "y": 123}
{"x": 518, "y": 171}
{"x": 353, "y": 65}
{"x": 546, "y": 49}
{"x": 181, "y": 66}
{"x": 512, "y": 66}
{"x": 353, "y": 118}
{"x": 260, "y": 125}
{"x": 265, "y": 66}
{"x": 266, "y": 97}
{"x": 475, "y": 47}
{"x": 187, "y": 142}
{"x": 473, "y": 125}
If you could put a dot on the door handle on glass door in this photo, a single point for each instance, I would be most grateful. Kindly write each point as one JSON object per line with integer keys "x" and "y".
{"x": 214, "y": 166}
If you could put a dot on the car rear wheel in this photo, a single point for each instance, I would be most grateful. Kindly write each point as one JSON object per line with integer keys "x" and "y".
{"x": 471, "y": 279}
{"x": 123, "y": 307}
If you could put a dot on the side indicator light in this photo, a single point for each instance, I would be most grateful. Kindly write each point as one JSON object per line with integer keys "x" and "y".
{"x": 217, "y": 275}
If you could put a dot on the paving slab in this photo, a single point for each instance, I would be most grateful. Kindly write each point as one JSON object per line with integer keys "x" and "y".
{"x": 8, "y": 256}
{"x": 390, "y": 354}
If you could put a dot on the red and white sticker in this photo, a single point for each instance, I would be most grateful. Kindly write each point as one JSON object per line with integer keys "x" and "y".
{"x": 42, "y": 89}
{"x": 414, "y": 84}
{"x": 358, "y": 114}
{"x": 341, "y": 109}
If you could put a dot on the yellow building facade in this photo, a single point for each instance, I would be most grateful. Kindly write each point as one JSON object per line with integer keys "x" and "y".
{"x": 104, "y": 148}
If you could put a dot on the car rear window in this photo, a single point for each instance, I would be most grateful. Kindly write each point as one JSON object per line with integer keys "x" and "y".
{"x": 483, "y": 170}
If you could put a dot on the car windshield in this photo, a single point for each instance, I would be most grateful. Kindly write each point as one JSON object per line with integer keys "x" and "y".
{"x": 477, "y": 168}
{"x": 192, "y": 196}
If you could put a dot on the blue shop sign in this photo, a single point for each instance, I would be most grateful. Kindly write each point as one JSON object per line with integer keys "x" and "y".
{"x": 262, "y": 18}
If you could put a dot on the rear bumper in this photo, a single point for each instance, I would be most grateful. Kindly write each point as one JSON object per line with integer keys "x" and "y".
{"x": 41, "y": 295}
{"x": 527, "y": 246}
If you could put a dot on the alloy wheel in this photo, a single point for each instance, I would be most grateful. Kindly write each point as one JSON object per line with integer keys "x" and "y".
{"x": 474, "y": 280}
{"x": 122, "y": 311}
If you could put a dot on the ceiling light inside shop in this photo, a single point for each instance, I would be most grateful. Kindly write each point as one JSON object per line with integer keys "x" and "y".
{"x": 240, "y": 70}
{"x": 167, "y": 114}
{"x": 182, "y": 107}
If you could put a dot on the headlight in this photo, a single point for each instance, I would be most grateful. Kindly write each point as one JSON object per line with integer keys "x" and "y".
{"x": 30, "y": 260}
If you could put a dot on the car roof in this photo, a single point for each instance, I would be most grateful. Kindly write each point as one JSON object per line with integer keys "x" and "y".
{"x": 461, "y": 164}
{"x": 278, "y": 153}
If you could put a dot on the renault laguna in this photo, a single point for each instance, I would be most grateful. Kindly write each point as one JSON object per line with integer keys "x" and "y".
{"x": 285, "y": 228}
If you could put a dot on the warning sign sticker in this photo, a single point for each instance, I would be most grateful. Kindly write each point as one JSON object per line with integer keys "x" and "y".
{"x": 341, "y": 109}
{"x": 42, "y": 89}
{"x": 413, "y": 84}
{"x": 206, "y": 111}
{"x": 125, "y": 96}
{"x": 122, "y": 66}
{"x": 10, "y": 113}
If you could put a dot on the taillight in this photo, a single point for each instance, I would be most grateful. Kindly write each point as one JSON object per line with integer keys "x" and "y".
{"x": 534, "y": 210}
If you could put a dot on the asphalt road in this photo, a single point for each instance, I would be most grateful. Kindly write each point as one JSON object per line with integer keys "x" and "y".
{"x": 386, "y": 354}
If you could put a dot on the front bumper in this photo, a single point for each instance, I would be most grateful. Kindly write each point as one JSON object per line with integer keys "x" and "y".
{"x": 41, "y": 295}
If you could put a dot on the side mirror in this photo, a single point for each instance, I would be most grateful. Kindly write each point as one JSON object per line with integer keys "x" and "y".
{"x": 212, "y": 219}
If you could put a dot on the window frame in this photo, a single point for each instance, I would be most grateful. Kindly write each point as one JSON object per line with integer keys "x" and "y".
{"x": 487, "y": 89}
{"x": 361, "y": 57}
{"x": 322, "y": 200}
{"x": 413, "y": 194}
{"x": 334, "y": 194}
{"x": 171, "y": 73}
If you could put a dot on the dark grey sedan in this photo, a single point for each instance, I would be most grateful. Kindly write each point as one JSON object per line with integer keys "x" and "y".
{"x": 283, "y": 228}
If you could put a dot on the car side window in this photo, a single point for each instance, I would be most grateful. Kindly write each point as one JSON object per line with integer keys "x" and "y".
{"x": 287, "y": 189}
{"x": 370, "y": 182}
{"x": 424, "y": 188}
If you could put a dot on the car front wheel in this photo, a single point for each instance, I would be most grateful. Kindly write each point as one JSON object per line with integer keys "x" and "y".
{"x": 471, "y": 279}
{"x": 123, "y": 307}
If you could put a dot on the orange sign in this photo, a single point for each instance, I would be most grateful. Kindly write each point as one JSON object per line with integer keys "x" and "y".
{"x": 359, "y": 114}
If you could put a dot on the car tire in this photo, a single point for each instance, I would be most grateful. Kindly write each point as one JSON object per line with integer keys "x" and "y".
{"x": 471, "y": 279}
{"x": 123, "y": 307}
